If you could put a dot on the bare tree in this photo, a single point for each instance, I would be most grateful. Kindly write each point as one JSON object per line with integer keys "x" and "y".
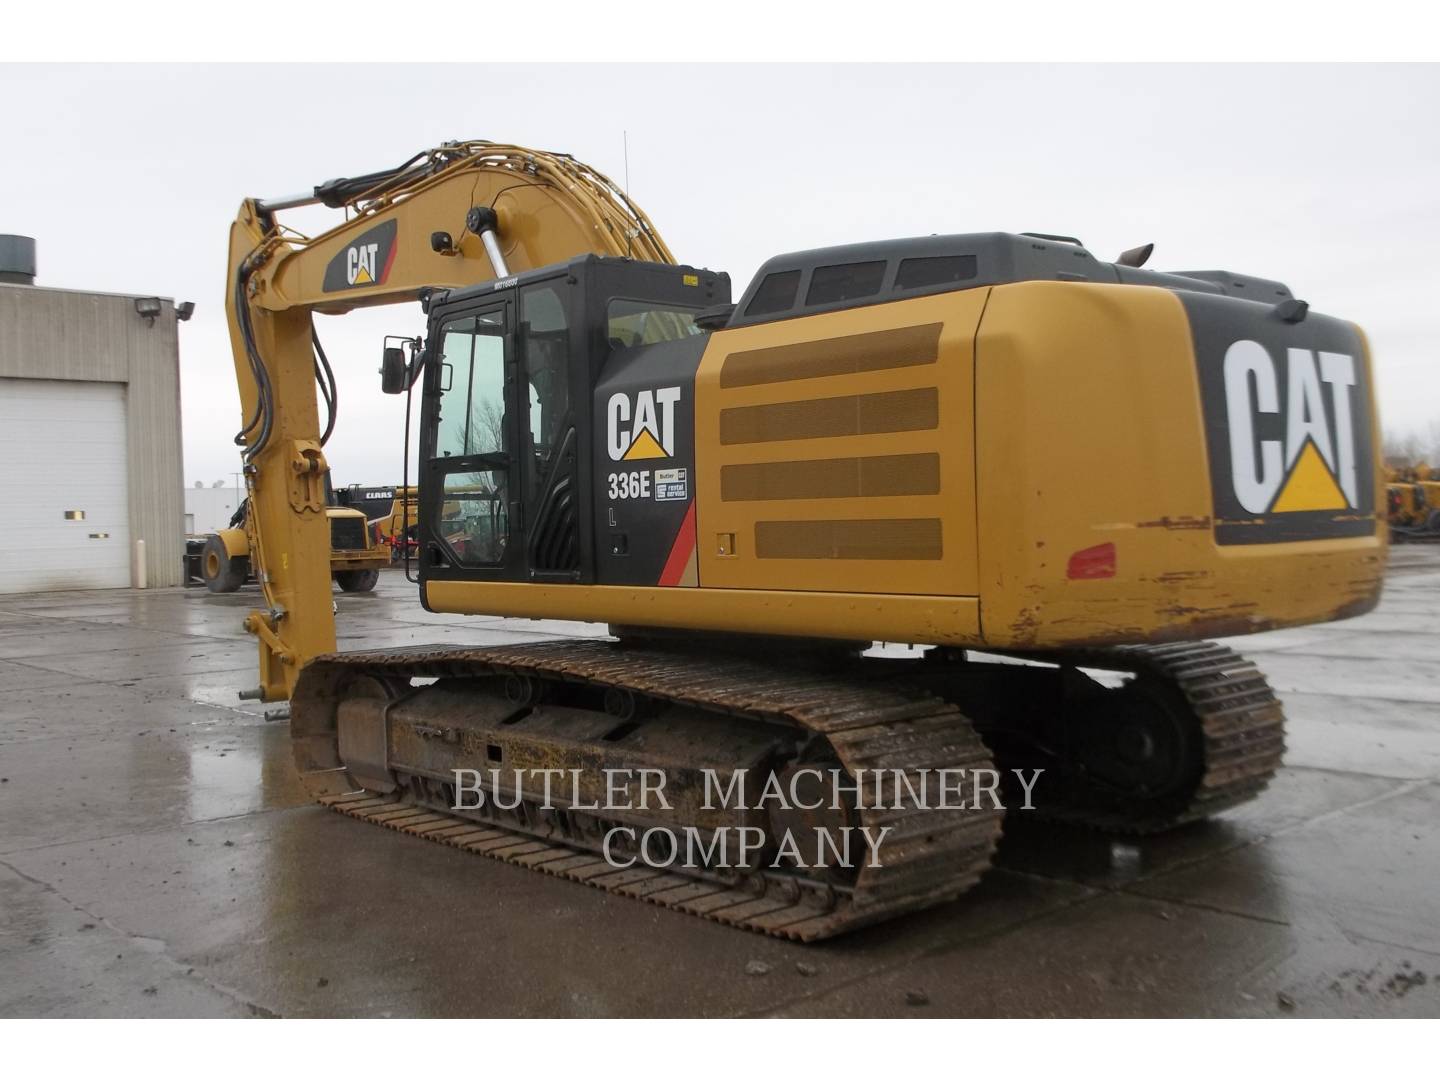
{"x": 1401, "y": 450}
{"x": 1430, "y": 442}
{"x": 487, "y": 427}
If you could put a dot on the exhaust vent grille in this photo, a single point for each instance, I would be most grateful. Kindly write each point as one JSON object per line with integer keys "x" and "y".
{"x": 878, "y": 350}
{"x": 832, "y": 478}
{"x": 828, "y": 418}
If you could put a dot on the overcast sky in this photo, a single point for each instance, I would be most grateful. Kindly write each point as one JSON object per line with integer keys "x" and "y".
{"x": 1327, "y": 178}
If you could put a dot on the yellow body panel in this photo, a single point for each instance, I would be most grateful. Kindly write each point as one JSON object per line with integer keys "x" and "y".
{"x": 907, "y": 428}
{"x": 951, "y": 620}
{"x": 237, "y": 544}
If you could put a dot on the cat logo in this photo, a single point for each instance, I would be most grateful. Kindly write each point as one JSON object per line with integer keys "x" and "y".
{"x": 1313, "y": 467}
{"x": 642, "y": 429}
{"x": 360, "y": 264}
{"x": 364, "y": 261}
{"x": 1288, "y": 423}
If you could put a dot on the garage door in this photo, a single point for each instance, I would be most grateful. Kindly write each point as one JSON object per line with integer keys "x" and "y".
{"x": 64, "y": 521}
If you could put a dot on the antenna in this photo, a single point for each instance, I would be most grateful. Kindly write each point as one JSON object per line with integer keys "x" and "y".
{"x": 625, "y": 143}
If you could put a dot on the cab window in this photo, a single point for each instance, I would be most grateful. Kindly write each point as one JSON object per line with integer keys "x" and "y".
{"x": 644, "y": 322}
{"x": 472, "y": 386}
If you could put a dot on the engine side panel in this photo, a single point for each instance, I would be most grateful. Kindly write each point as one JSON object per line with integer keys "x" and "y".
{"x": 835, "y": 452}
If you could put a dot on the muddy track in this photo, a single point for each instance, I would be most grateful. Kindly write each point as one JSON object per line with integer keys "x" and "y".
{"x": 931, "y": 856}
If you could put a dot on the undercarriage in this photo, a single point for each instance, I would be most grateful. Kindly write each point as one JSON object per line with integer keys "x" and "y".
{"x": 800, "y": 793}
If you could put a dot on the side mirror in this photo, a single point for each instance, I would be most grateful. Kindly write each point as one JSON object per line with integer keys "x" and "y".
{"x": 393, "y": 371}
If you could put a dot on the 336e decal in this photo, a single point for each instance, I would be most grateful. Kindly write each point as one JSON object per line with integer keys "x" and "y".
{"x": 628, "y": 485}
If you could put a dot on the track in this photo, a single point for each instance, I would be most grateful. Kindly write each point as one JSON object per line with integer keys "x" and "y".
{"x": 1241, "y": 734}
{"x": 932, "y": 855}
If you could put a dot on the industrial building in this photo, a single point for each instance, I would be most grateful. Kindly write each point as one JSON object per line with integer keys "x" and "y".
{"x": 209, "y": 507}
{"x": 90, "y": 454}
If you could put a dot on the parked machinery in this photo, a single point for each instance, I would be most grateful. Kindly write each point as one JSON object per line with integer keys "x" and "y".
{"x": 986, "y": 443}
{"x": 1412, "y": 499}
{"x": 392, "y": 510}
{"x": 356, "y": 555}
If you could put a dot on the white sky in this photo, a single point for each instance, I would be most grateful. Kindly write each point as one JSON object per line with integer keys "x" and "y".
{"x": 1325, "y": 177}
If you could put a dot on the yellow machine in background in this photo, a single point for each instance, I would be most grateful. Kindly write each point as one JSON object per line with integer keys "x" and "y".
{"x": 392, "y": 510}
{"x": 983, "y": 443}
{"x": 1413, "y": 502}
{"x": 356, "y": 555}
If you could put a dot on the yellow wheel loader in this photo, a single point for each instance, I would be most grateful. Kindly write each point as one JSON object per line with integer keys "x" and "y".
{"x": 1057, "y": 476}
{"x": 393, "y": 513}
{"x": 356, "y": 554}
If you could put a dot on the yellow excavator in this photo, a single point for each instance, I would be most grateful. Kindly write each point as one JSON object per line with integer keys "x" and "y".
{"x": 1060, "y": 475}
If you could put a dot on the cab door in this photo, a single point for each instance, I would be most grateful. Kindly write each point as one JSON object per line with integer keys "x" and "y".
{"x": 471, "y": 476}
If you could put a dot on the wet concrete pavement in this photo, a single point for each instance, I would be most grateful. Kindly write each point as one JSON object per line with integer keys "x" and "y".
{"x": 157, "y": 857}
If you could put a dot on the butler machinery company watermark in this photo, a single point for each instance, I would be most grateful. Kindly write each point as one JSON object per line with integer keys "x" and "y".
{"x": 800, "y": 796}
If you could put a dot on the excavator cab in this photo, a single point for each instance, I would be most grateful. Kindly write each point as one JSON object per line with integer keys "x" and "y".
{"x": 516, "y": 381}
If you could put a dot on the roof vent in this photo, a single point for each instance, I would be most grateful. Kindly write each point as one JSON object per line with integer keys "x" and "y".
{"x": 17, "y": 260}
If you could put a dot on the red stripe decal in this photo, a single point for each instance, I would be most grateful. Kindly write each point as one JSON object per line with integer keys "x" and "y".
{"x": 389, "y": 261}
{"x": 681, "y": 550}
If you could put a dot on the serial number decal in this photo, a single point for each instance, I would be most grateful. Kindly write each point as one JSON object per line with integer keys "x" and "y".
{"x": 672, "y": 485}
{"x": 629, "y": 485}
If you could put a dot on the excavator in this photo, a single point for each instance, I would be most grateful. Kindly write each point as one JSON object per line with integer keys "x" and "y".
{"x": 1054, "y": 478}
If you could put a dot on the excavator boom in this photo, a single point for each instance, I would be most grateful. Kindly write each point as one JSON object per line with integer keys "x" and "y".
{"x": 457, "y": 215}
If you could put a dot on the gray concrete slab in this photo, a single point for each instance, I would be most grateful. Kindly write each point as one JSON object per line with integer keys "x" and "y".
{"x": 157, "y": 857}
{"x": 154, "y": 779}
{"x": 1361, "y": 677}
{"x": 63, "y": 961}
{"x": 1356, "y": 735}
{"x": 255, "y": 903}
{"x": 1122, "y": 955}
{"x": 1368, "y": 871}
{"x": 18, "y": 676}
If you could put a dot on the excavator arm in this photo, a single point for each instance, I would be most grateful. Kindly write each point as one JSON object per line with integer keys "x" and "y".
{"x": 460, "y": 214}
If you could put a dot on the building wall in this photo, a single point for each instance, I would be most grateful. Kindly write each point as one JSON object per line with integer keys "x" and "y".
{"x": 212, "y": 507}
{"x": 94, "y": 337}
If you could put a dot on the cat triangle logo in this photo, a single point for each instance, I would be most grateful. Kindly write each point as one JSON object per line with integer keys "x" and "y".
{"x": 640, "y": 425}
{"x": 644, "y": 446}
{"x": 1310, "y": 486}
{"x": 362, "y": 277}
